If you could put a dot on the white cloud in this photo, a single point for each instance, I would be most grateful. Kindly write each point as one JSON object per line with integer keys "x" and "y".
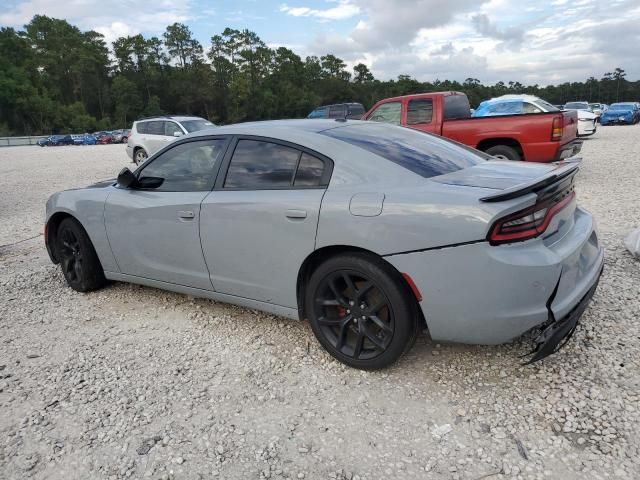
{"x": 344, "y": 9}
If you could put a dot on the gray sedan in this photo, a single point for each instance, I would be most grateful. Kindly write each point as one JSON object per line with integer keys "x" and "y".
{"x": 369, "y": 231}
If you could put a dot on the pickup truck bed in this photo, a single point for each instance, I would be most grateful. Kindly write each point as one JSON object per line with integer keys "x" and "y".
{"x": 536, "y": 137}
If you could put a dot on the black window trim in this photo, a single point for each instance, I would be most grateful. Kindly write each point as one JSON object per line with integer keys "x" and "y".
{"x": 159, "y": 153}
{"x": 226, "y": 161}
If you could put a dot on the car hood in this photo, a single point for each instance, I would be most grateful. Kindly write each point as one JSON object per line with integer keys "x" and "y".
{"x": 498, "y": 174}
{"x": 102, "y": 183}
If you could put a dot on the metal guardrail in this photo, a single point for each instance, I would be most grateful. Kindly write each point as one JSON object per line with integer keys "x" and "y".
{"x": 17, "y": 141}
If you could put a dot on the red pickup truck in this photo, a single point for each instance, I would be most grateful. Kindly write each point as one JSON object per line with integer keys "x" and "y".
{"x": 535, "y": 137}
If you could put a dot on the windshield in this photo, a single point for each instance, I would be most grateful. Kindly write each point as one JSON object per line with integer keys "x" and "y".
{"x": 546, "y": 106}
{"x": 621, "y": 106}
{"x": 577, "y": 106}
{"x": 424, "y": 154}
{"x": 195, "y": 125}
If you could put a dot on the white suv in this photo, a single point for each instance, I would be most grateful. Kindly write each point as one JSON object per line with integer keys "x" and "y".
{"x": 148, "y": 135}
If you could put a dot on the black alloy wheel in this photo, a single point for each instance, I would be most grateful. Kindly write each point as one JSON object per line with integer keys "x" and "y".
{"x": 360, "y": 311}
{"x": 78, "y": 259}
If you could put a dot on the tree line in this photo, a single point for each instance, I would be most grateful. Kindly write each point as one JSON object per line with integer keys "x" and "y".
{"x": 56, "y": 78}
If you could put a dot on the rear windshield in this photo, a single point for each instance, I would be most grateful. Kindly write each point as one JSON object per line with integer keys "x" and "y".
{"x": 577, "y": 106}
{"x": 419, "y": 152}
{"x": 621, "y": 106}
{"x": 195, "y": 125}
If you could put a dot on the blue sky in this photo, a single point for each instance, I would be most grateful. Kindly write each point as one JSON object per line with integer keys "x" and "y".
{"x": 532, "y": 41}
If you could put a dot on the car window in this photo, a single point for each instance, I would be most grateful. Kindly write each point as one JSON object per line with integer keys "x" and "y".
{"x": 419, "y": 152}
{"x": 419, "y": 111}
{"x": 356, "y": 110}
{"x": 195, "y": 125}
{"x": 456, "y": 106}
{"x": 320, "y": 112}
{"x": 546, "y": 106}
{"x": 187, "y": 167}
{"x": 155, "y": 128}
{"x": 170, "y": 128}
{"x": 141, "y": 127}
{"x": 530, "y": 108}
{"x": 337, "y": 111}
{"x": 258, "y": 164}
{"x": 387, "y": 113}
{"x": 310, "y": 170}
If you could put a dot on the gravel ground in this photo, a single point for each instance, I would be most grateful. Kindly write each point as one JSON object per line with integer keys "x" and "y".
{"x": 133, "y": 382}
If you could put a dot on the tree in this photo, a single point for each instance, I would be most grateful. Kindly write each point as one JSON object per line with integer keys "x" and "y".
{"x": 362, "y": 74}
{"x": 181, "y": 44}
{"x": 128, "y": 102}
{"x": 618, "y": 75}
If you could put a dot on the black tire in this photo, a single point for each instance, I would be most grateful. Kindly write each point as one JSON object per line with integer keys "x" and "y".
{"x": 360, "y": 311}
{"x": 139, "y": 156}
{"x": 503, "y": 152}
{"x": 78, "y": 259}
{"x": 124, "y": 140}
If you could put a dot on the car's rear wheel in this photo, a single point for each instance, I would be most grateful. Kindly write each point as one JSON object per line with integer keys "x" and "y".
{"x": 139, "y": 156}
{"x": 360, "y": 311}
{"x": 503, "y": 152}
{"x": 78, "y": 259}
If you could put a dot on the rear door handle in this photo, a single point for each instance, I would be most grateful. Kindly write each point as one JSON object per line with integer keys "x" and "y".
{"x": 293, "y": 213}
{"x": 186, "y": 215}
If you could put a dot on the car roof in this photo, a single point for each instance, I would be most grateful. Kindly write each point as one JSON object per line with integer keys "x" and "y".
{"x": 177, "y": 118}
{"x": 412, "y": 95}
{"x": 514, "y": 97}
{"x": 267, "y": 127}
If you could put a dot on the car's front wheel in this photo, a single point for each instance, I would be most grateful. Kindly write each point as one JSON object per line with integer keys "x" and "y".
{"x": 80, "y": 264}
{"x": 503, "y": 152}
{"x": 139, "y": 156}
{"x": 360, "y": 311}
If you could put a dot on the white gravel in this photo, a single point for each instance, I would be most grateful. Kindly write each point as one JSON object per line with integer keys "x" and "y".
{"x": 133, "y": 382}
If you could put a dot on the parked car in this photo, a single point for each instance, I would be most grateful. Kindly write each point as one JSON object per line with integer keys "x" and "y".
{"x": 539, "y": 138}
{"x": 58, "y": 140}
{"x": 44, "y": 142}
{"x": 104, "y": 139}
{"x": 578, "y": 106}
{"x": 530, "y": 104}
{"x": 621, "y": 113}
{"x": 120, "y": 136}
{"x": 352, "y": 111}
{"x": 148, "y": 135}
{"x": 587, "y": 119}
{"x": 597, "y": 109}
{"x": 84, "y": 139}
{"x": 367, "y": 230}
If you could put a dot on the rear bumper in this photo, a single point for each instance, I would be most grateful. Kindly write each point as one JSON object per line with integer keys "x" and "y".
{"x": 485, "y": 294}
{"x": 569, "y": 150}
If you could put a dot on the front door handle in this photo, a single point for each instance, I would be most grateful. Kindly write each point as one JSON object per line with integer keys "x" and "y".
{"x": 293, "y": 213}
{"x": 186, "y": 215}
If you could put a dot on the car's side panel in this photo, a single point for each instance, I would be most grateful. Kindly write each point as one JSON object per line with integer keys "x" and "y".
{"x": 87, "y": 206}
{"x": 255, "y": 241}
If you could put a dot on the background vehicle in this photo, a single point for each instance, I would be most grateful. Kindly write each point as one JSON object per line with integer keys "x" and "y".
{"x": 44, "y": 142}
{"x": 597, "y": 109}
{"x": 524, "y": 104}
{"x": 84, "y": 139}
{"x": 352, "y": 111}
{"x": 148, "y": 135}
{"x": 535, "y": 138}
{"x": 621, "y": 113}
{"x": 346, "y": 224}
{"x": 58, "y": 140}
{"x": 587, "y": 119}
{"x": 104, "y": 139}
{"x": 120, "y": 136}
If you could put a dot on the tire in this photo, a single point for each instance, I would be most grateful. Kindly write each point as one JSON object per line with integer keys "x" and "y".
{"x": 360, "y": 311}
{"x": 503, "y": 152}
{"x": 124, "y": 140}
{"x": 78, "y": 259}
{"x": 139, "y": 156}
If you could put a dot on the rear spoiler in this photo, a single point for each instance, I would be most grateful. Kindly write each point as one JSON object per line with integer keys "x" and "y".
{"x": 564, "y": 170}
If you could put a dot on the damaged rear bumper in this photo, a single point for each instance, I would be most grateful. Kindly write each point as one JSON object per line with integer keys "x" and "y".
{"x": 557, "y": 333}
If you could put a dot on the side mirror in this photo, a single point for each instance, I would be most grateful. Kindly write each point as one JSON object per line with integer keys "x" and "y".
{"x": 126, "y": 178}
{"x": 177, "y": 134}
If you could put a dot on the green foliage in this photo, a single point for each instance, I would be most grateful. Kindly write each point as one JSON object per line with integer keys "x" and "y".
{"x": 55, "y": 78}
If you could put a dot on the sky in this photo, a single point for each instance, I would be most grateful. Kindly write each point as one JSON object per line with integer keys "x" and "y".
{"x": 530, "y": 41}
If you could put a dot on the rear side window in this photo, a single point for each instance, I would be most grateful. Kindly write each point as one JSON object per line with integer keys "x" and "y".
{"x": 310, "y": 170}
{"x": 320, "y": 112}
{"x": 419, "y": 111}
{"x": 419, "y": 152}
{"x": 456, "y": 106}
{"x": 155, "y": 128}
{"x": 141, "y": 127}
{"x": 387, "y": 113}
{"x": 337, "y": 111}
{"x": 356, "y": 111}
{"x": 257, "y": 164}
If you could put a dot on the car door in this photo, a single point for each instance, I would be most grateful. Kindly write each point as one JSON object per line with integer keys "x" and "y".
{"x": 154, "y": 232}
{"x": 259, "y": 223}
{"x": 155, "y": 138}
{"x": 389, "y": 112}
{"x": 420, "y": 115}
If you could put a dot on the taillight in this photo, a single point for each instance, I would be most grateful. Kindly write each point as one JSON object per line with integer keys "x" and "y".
{"x": 528, "y": 223}
{"x": 556, "y": 128}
